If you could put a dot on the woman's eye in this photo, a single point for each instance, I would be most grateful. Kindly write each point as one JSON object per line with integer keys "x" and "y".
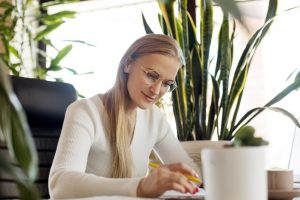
{"x": 153, "y": 76}
{"x": 168, "y": 83}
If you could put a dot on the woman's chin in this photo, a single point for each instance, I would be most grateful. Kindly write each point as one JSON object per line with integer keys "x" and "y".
{"x": 145, "y": 105}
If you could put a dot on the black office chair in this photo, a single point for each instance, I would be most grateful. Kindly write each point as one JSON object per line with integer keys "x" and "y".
{"x": 45, "y": 104}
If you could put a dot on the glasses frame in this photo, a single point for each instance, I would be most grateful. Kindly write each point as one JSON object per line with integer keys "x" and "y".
{"x": 146, "y": 71}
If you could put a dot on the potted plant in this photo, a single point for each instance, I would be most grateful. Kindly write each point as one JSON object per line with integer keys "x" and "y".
{"x": 241, "y": 164}
{"x": 208, "y": 98}
{"x": 15, "y": 135}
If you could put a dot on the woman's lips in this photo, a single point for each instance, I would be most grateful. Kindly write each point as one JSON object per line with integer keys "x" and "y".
{"x": 149, "y": 98}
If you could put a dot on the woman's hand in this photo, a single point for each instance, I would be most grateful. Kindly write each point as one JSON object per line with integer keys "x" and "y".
{"x": 167, "y": 177}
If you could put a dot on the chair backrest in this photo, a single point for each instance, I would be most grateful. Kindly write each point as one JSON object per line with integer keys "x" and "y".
{"x": 45, "y": 103}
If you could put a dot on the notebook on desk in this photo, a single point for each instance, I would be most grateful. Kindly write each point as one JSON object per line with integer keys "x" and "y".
{"x": 173, "y": 195}
{"x": 294, "y": 161}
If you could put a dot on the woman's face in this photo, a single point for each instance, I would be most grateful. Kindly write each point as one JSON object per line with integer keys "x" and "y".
{"x": 149, "y": 78}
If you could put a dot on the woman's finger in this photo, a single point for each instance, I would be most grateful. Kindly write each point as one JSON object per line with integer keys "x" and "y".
{"x": 176, "y": 179}
{"x": 165, "y": 178}
{"x": 181, "y": 167}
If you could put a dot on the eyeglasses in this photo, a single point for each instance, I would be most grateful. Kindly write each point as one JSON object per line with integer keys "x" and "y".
{"x": 152, "y": 77}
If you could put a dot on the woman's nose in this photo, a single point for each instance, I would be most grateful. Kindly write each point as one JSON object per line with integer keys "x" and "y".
{"x": 156, "y": 87}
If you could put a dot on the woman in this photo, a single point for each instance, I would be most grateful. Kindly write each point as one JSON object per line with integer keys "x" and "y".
{"x": 106, "y": 140}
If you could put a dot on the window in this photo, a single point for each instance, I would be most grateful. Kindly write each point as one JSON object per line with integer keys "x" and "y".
{"x": 280, "y": 57}
{"x": 111, "y": 26}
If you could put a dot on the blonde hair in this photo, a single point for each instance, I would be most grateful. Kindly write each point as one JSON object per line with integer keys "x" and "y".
{"x": 117, "y": 99}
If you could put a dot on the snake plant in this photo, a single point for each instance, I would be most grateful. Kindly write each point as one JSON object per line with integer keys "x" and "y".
{"x": 208, "y": 97}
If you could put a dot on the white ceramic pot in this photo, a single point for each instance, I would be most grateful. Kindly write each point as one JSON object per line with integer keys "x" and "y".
{"x": 235, "y": 173}
{"x": 194, "y": 148}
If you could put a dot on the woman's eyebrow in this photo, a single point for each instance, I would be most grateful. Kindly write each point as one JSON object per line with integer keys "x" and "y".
{"x": 159, "y": 74}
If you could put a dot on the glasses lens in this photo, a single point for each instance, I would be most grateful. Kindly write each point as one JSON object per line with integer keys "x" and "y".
{"x": 172, "y": 87}
{"x": 152, "y": 77}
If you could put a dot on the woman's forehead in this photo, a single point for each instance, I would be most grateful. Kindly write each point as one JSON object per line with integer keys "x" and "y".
{"x": 158, "y": 60}
{"x": 166, "y": 66}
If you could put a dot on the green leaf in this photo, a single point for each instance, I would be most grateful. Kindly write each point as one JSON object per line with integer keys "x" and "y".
{"x": 206, "y": 30}
{"x": 18, "y": 136}
{"x": 245, "y": 137}
{"x": 295, "y": 85}
{"x": 80, "y": 42}
{"x": 167, "y": 10}
{"x": 214, "y": 108}
{"x": 54, "y": 68}
{"x": 297, "y": 78}
{"x": 57, "y": 17}
{"x": 192, "y": 33}
{"x": 61, "y": 54}
{"x": 76, "y": 73}
{"x": 224, "y": 57}
{"x": 14, "y": 51}
{"x": 146, "y": 25}
{"x": 8, "y": 13}
{"x": 255, "y": 111}
{"x": 71, "y": 70}
{"x": 47, "y": 30}
{"x": 245, "y": 133}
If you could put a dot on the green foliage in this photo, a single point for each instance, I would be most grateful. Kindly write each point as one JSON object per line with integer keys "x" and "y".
{"x": 209, "y": 94}
{"x": 24, "y": 30}
{"x": 15, "y": 134}
{"x": 245, "y": 137}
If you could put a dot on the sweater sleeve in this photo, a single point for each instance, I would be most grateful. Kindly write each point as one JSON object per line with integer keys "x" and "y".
{"x": 167, "y": 144}
{"x": 68, "y": 178}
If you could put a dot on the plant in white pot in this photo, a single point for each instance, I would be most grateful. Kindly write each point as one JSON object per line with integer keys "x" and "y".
{"x": 236, "y": 171}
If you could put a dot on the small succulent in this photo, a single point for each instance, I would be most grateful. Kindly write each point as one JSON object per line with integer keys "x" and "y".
{"x": 245, "y": 137}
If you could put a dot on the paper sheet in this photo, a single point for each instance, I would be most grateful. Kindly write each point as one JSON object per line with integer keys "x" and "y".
{"x": 177, "y": 195}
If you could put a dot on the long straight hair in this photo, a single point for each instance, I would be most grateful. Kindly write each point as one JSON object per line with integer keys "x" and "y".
{"x": 117, "y": 99}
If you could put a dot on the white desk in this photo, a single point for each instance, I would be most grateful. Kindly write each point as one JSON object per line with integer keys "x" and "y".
{"x": 168, "y": 195}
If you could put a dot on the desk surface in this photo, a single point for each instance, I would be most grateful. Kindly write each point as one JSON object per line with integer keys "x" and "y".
{"x": 135, "y": 198}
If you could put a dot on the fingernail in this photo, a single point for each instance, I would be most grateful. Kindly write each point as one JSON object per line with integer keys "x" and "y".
{"x": 195, "y": 190}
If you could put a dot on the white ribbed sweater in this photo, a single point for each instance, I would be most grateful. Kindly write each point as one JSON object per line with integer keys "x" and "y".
{"x": 81, "y": 166}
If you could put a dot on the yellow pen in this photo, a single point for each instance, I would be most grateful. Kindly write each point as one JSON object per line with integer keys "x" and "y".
{"x": 191, "y": 178}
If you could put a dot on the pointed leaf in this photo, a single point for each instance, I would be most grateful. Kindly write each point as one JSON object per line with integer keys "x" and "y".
{"x": 54, "y": 68}
{"x": 18, "y": 136}
{"x": 47, "y": 30}
{"x": 61, "y": 54}
{"x": 146, "y": 25}
{"x": 57, "y": 17}
{"x": 14, "y": 51}
{"x": 80, "y": 42}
